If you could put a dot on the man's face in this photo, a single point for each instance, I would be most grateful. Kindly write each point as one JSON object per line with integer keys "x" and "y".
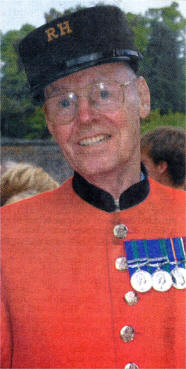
{"x": 96, "y": 142}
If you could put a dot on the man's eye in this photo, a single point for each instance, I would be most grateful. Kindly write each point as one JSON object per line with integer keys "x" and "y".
{"x": 104, "y": 94}
{"x": 65, "y": 103}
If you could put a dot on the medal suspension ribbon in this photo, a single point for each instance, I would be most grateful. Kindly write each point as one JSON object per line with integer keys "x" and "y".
{"x": 156, "y": 263}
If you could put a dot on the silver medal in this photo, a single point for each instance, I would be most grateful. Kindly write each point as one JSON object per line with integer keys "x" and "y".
{"x": 161, "y": 280}
{"x": 141, "y": 281}
{"x": 179, "y": 278}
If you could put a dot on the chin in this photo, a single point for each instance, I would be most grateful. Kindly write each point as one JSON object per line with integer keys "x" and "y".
{"x": 90, "y": 171}
{"x": 94, "y": 169}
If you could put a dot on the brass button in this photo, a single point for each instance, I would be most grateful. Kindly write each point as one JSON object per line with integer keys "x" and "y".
{"x": 121, "y": 263}
{"x": 131, "y": 366}
{"x": 131, "y": 298}
{"x": 127, "y": 333}
{"x": 120, "y": 231}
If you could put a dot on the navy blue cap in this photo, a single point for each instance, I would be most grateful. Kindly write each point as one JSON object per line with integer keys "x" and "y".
{"x": 68, "y": 44}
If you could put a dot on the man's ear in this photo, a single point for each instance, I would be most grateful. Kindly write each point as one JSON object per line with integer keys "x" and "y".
{"x": 144, "y": 96}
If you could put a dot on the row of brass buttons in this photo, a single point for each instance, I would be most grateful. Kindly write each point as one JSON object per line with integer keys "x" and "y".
{"x": 127, "y": 333}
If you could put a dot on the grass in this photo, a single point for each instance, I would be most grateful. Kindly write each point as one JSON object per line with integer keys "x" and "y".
{"x": 155, "y": 120}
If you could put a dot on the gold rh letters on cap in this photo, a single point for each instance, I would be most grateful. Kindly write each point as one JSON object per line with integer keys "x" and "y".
{"x": 51, "y": 34}
{"x": 64, "y": 30}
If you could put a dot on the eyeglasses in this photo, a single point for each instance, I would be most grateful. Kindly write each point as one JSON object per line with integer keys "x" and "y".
{"x": 105, "y": 97}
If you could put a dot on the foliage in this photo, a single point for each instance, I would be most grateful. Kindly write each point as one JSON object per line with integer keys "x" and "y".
{"x": 155, "y": 119}
{"x": 163, "y": 69}
{"x": 141, "y": 30}
{"x": 169, "y": 15}
{"x": 37, "y": 125}
{"x": 159, "y": 35}
{"x": 53, "y": 14}
{"x": 16, "y": 101}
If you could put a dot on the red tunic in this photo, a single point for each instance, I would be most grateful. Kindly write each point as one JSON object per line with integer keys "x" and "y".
{"x": 64, "y": 305}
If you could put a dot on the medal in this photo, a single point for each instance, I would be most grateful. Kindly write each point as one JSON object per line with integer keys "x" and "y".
{"x": 157, "y": 263}
{"x": 141, "y": 281}
{"x": 161, "y": 280}
{"x": 177, "y": 257}
{"x": 137, "y": 258}
{"x": 179, "y": 278}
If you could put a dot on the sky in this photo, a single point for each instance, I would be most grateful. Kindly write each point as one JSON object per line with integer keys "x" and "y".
{"x": 15, "y": 13}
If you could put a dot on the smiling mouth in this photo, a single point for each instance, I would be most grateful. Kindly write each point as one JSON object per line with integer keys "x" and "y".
{"x": 94, "y": 140}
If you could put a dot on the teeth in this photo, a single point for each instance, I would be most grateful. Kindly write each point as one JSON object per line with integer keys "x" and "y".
{"x": 94, "y": 140}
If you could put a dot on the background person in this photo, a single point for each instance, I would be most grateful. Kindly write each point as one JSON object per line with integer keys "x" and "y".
{"x": 163, "y": 153}
{"x": 79, "y": 287}
{"x": 21, "y": 196}
{"x": 8, "y": 164}
{"x": 23, "y": 180}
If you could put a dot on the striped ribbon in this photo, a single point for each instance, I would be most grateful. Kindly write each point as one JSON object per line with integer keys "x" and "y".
{"x": 148, "y": 255}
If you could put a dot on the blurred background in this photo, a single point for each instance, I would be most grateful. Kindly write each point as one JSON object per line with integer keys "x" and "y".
{"x": 158, "y": 29}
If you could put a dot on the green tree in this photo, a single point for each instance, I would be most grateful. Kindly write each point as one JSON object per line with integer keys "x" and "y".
{"x": 164, "y": 69}
{"x": 159, "y": 35}
{"x": 36, "y": 125}
{"x": 51, "y": 15}
{"x": 169, "y": 15}
{"x": 17, "y": 106}
{"x": 141, "y": 29}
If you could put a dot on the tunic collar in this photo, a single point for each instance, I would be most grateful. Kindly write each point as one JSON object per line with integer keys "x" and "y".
{"x": 104, "y": 200}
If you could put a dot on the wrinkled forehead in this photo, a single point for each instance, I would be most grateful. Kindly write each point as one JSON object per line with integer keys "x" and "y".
{"x": 120, "y": 72}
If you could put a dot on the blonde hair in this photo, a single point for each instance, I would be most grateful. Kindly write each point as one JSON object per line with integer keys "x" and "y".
{"x": 21, "y": 196}
{"x": 25, "y": 177}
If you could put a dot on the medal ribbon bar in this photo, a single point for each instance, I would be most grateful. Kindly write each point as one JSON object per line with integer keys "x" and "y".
{"x": 157, "y": 263}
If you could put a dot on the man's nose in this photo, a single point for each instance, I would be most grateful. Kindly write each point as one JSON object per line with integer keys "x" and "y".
{"x": 85, "y": 110}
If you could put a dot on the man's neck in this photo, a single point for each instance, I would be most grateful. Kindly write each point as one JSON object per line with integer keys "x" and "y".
{"x": 117, "y": 181}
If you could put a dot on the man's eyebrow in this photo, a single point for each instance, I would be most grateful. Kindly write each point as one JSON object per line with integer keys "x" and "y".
{"x": 53, "y": 91}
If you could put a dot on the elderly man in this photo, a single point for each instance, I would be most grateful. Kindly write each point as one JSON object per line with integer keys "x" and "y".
{"x": 93, "y": 272}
